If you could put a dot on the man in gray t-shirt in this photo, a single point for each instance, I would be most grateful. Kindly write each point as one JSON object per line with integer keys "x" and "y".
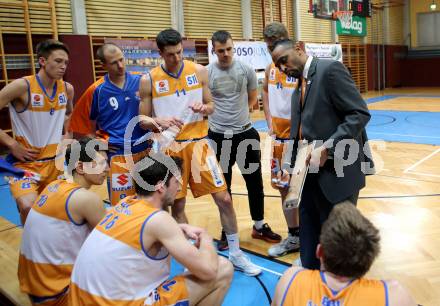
{"x": 233, "y": 89}
{"x": 233, "y": 86}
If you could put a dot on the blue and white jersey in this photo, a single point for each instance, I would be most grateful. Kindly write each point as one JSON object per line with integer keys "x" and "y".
{"x": 113, "y": 108}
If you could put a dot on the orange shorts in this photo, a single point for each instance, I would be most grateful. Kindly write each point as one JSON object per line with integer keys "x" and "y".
{"x": 38, "y": 174}
{"x": 200, "y": 168}
{"x": 119, "y": 177}
{"x": 170, "y": 292}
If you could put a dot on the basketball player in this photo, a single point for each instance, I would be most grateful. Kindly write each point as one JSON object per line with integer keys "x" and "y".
{"x": 58, "y": 223}
{"x": 126, "y": 259}
{"x": 38, "y": 108}
{"x": 174, "y": 88}
{"x": 349, "y": 243}
{"x": 277, "y": 94}
{"x": 115, "y": 102}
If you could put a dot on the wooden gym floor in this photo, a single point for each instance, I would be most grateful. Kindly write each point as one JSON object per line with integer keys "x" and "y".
{"x": 402, "y": 200}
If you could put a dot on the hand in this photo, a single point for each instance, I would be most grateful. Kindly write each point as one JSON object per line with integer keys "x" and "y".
{"x": 317, "y": 157}
{"x": 191, "y": 232}
{"x": 22, "y": 153}
{"x": 165, "y": 123}
{"x": 270, "y": 131}
{"x": 283, "y": 180}
{"x": 200, "y": 108}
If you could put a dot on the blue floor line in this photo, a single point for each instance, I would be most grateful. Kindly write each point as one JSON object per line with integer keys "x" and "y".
{"x": 254, "y": 293}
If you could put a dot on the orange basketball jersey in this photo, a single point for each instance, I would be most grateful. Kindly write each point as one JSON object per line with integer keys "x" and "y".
{"x": 309, "y": 287}
{"x": 280, "y": 89}
{"x": 40, "y": 124}
{"x": 173, "y": 94}
{"x": 51, "y": 241}
{"x": 113, "y": 267}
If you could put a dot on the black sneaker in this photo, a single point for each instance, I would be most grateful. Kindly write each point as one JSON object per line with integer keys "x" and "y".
{"x": 265, "y": 233}
{"x": 222, "y": 244}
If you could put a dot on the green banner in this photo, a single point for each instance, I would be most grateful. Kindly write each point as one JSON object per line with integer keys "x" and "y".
{"x": 355, "y": 26}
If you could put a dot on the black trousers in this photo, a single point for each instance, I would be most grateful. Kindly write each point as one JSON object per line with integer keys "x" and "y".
{"x": 243, "y": 148}
{"x": 314, "y": 209}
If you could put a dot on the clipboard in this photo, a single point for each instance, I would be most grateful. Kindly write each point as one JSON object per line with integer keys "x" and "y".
{"x": 298, "y": 176}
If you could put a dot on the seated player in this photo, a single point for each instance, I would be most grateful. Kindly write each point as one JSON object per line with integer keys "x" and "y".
{"x": 38, "y": 106}
{"x": 126, "y": 259}
{"x": 349, "y": 243}
{"x": 58, "y": 223}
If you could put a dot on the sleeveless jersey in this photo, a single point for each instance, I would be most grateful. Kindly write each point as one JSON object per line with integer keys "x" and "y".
{"x": 309, "y": 287}
{"x": 280, "y": 88}
{"x": 40, "y": 124}
{"x": 113, "y": 108}
{"x": 51, "y": 241}
{"x": 172, "y": 95}
{"x": 113, "y": 267}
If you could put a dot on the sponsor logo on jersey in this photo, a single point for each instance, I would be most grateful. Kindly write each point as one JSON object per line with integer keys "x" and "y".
{"x": 121, "y": 182}
{"x": 32, "y": 176}
{"x": 215, "y": 171}
{"x": 162, "y": 86}
{"x": 62, "y": 100}
{"x": 191, "y": 80}
{"x": 37, "y": 100}
{"x": 272, "y": 74}
{"x": 53, "y": 188}
{"x": 290, "y": 80}
{"x": 42, "y": 200}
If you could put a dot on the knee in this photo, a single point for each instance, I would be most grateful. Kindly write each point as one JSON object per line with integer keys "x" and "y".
{"x": 225, "y": 270}
{"x": 223, "y": 199}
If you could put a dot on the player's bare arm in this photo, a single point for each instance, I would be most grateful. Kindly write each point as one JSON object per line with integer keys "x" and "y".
{"x": 86, "y": 206}
{"x": 202, "y": 262}
{"x": 206, "y": 107}
{"x": 266, "y": 100}
{"x": 16, "y": 92}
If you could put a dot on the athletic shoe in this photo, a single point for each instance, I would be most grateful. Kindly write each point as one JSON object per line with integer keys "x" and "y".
{"x": 265, "y": 233}
{"x": 242, "y": 263}
{"x": 288, "y": 245}
{"x": 222, "y": 244}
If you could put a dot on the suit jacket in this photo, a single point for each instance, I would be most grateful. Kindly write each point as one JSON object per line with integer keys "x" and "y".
{"x": 333, "y": 111}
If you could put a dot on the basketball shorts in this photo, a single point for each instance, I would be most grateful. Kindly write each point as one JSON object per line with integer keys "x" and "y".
{"x": 38, "y": 174}
{"x": 200, "y": 168}
{"x": 120, "y": 182}
{"x": 169, "y": 293}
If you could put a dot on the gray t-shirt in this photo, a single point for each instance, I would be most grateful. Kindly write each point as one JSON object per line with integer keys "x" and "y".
{"x": 229, "y": 88}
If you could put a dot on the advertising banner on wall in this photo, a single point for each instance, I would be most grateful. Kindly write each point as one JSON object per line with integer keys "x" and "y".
{"x": 331, "y": 51}
{"x": 355, "y": 26}
{"x": 254, "y": 53}
{"x": 142, "y": 55}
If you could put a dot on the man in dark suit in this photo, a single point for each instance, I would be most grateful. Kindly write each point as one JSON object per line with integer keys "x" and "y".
{"x": 327, "y": 108}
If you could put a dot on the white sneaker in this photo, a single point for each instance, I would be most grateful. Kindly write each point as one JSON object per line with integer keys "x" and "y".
{"x": 242, "y": 263}
{"x": 288, "y": 245}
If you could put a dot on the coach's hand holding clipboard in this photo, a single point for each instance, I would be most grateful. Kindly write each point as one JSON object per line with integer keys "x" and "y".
{"x": 304, "y": 157}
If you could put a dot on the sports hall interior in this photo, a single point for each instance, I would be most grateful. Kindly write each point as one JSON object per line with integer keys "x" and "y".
{"x": 396, "y": 71}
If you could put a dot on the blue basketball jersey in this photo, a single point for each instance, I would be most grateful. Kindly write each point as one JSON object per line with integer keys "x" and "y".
{"x": 113, "y": 108}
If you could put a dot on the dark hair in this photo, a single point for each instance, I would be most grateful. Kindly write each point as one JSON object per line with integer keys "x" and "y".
{"x": 155, "y": 168}
{"x": 349, "y": 241}
{"x": 284, "y": 42}
{"x": 101, "y": 50}
{"x": 275, "y": 30}
{"x": 221, "y": 36}
{"x": 83, "y": 151}
{"x": 45, "y": 48}
{"x": 168, "y": 37}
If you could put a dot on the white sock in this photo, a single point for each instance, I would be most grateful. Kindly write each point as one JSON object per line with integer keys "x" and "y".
{"x": 259, "y": 224}
{"x": 233, "y": 243}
